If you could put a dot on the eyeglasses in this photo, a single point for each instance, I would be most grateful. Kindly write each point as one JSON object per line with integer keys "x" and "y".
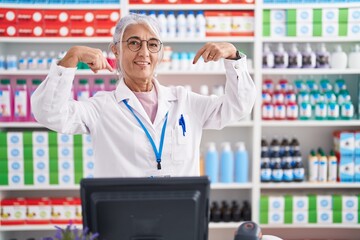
{"x": 135, "y": 44}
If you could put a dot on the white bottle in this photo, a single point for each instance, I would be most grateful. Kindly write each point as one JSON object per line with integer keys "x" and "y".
{"x": 42, "y": 61}
{"x": 23, "y": 61}
{"x": 281, "y": 57}
{"x": 295, "y": 58}
{"x": 308, "y": 57}
{"x": 190, "y": 24}
{"x": 200, "y": 24}
{"x": 322, "y": 57}
{"x": 33, "y": 61}
{"x": 171, "y": 25}
{"x": 354, "y": 57}
{"x": 268, "y": 57}
{"x": 152, "y": 14}
{"x": 51, "y": 59}
{"x": 175, "y": 63}
{"x": 338, "y": 58}
{"x": 181, "y": 25}
{"x": 163, "y": 24}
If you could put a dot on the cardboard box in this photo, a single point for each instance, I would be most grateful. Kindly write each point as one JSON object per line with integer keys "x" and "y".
{"x": 218, "y": 23}
{"x": 38, "y": 211}
{"x": 13, "y": 211}
{"x": 243, "y": 23}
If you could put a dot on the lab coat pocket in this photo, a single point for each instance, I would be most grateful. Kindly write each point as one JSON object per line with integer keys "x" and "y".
{"x": 181, "y": 144}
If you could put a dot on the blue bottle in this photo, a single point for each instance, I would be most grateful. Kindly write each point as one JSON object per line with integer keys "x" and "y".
{"x": 212, "y": 163}
{"x": 241, "y": 164}
{"x": 227, "y": 164}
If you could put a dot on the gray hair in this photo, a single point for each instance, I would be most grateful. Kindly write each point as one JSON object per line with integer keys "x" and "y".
{"x": 131, "y": 19}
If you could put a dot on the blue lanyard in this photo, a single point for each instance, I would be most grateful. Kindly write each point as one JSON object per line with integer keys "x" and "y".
{"x": 157, "y": 153}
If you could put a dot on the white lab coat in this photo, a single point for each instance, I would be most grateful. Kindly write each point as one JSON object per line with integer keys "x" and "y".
{"x": 121, "y": 148}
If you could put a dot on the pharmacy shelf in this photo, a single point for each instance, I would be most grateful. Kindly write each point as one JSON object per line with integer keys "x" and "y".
{"x": 34, "y": 227}
{"x": 221, "y": 186}
{"x": 60, "y": 6}
{"x": 55, "y": 39}
{"x": 308, "y": 185}
{"x": 191, "y": 6}
{"x": 39, "y": 188}
{"x": 20, "y": 124}
{"x": 224, "y": 225}
{"x": 309, "y": 226}
{"x": 234, "y": 39}
{"x": 310, "y": 39}
{"x": 310, "y": 5}
{"x": 314, "y": 71}
{"x": 310, "y": 123}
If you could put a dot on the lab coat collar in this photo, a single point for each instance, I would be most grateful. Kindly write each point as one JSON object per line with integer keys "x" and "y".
{"x": 165, "y": 97}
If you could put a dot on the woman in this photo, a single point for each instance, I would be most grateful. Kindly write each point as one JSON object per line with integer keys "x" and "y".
{"x": 142, "y": 128}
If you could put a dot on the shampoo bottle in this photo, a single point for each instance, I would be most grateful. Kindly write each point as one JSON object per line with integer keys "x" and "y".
{"x": 322, "y": 57}
{"x": 227, "y": 164}
{"x": 268, "y": 57}
{"x": 309, "y": 57}
{"x": 212, "y": 163}
{"x": 241, "y": 163}
{"x": 354, "y": 57}
{"x": 281, "y": 57}
{"x": 338, "y": 58}
{"x": 295, "y": 58}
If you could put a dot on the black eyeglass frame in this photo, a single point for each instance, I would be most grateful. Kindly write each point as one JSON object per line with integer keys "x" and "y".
{"x": 141, "y": 41}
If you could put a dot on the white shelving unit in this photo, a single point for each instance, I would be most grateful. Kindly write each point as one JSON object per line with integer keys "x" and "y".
{"x": 311, "y": 134}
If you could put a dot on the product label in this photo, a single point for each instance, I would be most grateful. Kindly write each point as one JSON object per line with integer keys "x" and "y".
{"x": 5, "y": 110}
{"x": 20, "y": 109}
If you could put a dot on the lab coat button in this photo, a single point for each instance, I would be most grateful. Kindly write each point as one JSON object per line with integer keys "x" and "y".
{"x": 237, "y": 66}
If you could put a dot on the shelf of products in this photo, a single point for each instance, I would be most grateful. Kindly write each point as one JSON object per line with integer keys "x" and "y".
{"x": 310, "y": 133}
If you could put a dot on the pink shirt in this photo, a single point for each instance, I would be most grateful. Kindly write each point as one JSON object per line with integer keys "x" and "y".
{"x": 149, "y": 102}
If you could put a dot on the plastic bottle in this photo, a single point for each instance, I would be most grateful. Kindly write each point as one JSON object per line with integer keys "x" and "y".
{"x": 241, "y": 163}
{"x": 21, "y": 101}
{"x": 309, "y": 57}
{"x": 34, "y": 84}
{"x": 338, "y": 58}
{"x": 23, "y": 61}
{"x": 226, "y": 164}
{"x": 190, "y": 24}
{"x": 288, "y": 172}
{"x": 200, "y": 24}
{"x": 152, "y": 14}
{"x": 265, "y": 171}
{"x": 11, "y": 62}
{"x": 2, "y": 63}
{"x": 303, "y": 96}
{"x": 98, "y": 86}
{"x": 274, "y": 146}
{"x": 299, "y": 172}
{"x": 175, "y": 61}
{"x": 279, "y": 111}
{"x": 332, "y": 167}
{"x": 281, "y": 57}
{"x": 347, "y": 109}
{"x": 246, "y": 211}
{"x": 267, "y": 111}
{"x": 112, "y": 84}
{"x": 321, "y": 109}
{"x": 323, "y": 57}
{"x": 42, "y": 61}
{"x": 295, "y": 58}
{"x": 267, "y": 57}
{"x": 275, "y": 158}
{"x": 294, "y": 145}
{"x": 292, "y": 111}
{"x": 181, "y": 24}
{"x": 82, "y": 92}
{"x": 323, "y": 167}
{"x": 33, "y": 61}
{"x": 163, "y": 24}
{"x": 290, "y": 96}
{"x": 171, "y": 24}
{"x": 333, "y": 111}
{"x": 51, "y": 58}
{"x": 6, "y": 101}
{"x": 212, "y": 163}
{"x": 277, "y": 172}
{"x": 313, "y": 167}
{"x": 264, "y": 145}
{"x": 284, "y": 146}
{"x": 354, "y": 57}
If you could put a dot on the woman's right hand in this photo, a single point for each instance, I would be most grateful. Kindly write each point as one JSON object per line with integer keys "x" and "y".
{"x": 93, "y": 57}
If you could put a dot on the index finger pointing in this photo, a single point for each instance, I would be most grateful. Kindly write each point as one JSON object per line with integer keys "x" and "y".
{"x": 108, "y": 66}
{"x": 198, "y": 55}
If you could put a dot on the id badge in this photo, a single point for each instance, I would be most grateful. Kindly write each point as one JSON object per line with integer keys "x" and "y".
{"x": 153, "y": 173}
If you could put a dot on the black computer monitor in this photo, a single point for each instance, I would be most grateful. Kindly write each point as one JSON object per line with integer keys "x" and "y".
{"x": 171, "y": 208}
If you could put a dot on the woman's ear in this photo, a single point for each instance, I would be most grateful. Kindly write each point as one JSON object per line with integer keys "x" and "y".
{"x": 114, "y": 50}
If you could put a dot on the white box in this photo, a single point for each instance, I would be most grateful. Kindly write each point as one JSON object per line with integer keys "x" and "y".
{"x": 66, "y": 165}
{"x": 304, "y": 29}
{"x": 86, "y": 139}
{"x": 66, "y": 178}
{"x": 15, "y": 139}
{"x": 277, "y": 16}
{"x": 300, "y": 203}
{"x": 330, "y": 29}
{"x": 349, "y": 217}
{"x": 88, "y": 165}
{"x": 65, "y": 152}
{"x": 330, "y": 15}
{"x": 40, "y": 138}
{"x": 16, "y": 166}
{"x": 324, "y": 216}
{"x": 349, "y": 203}
{"x": 276, "y": 217}
{"x": 304, "y": 15}
{"x": 41, "y": 179}
{"x": 88, "y": 152}
{"x": 276, "y": 203}
{"x": 323, "y": 202}
{"x": 41, "y": 165}
{"x": 353, "y": 29}
{"x": 65, "y": 139}
{"x": 16, "y": 179}
{"x": 15, "y": 152}
{"x": 300, "y": 217}
{"x": 354, "y": 14}
{"x": 278, "y": 30}
{"x": 41, "y": 152}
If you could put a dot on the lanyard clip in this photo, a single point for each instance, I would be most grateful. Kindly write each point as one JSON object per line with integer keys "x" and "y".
{"x": 159, "y": 166}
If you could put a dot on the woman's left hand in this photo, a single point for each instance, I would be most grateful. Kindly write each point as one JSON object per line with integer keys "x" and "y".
{"x": 213, "y": 51}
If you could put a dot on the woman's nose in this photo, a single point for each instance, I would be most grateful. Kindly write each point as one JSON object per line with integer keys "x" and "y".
{"x": 144, "y": 49}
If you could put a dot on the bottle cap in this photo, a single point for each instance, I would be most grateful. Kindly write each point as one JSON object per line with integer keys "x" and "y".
{"x": 99, "y": 81}
{"x": 21, "y": 81}
{"x": 5, "y": 81}
{"x": 226, "y": 146}
{"x": 83, "y": 81}
{"x": 211, "y": 146}
{"x": 240, "y": 146}
{"x": 36, "y": 81}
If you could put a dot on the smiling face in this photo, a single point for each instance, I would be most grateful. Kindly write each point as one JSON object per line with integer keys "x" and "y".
{"x": 138, "y": 67}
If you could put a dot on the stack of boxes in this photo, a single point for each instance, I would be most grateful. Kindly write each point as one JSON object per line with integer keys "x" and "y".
{"x": 43, "y": 158}
{"x": 308, "y": 22}
{"x": 347, "y": 150}
{"x": 314, "y": 209}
